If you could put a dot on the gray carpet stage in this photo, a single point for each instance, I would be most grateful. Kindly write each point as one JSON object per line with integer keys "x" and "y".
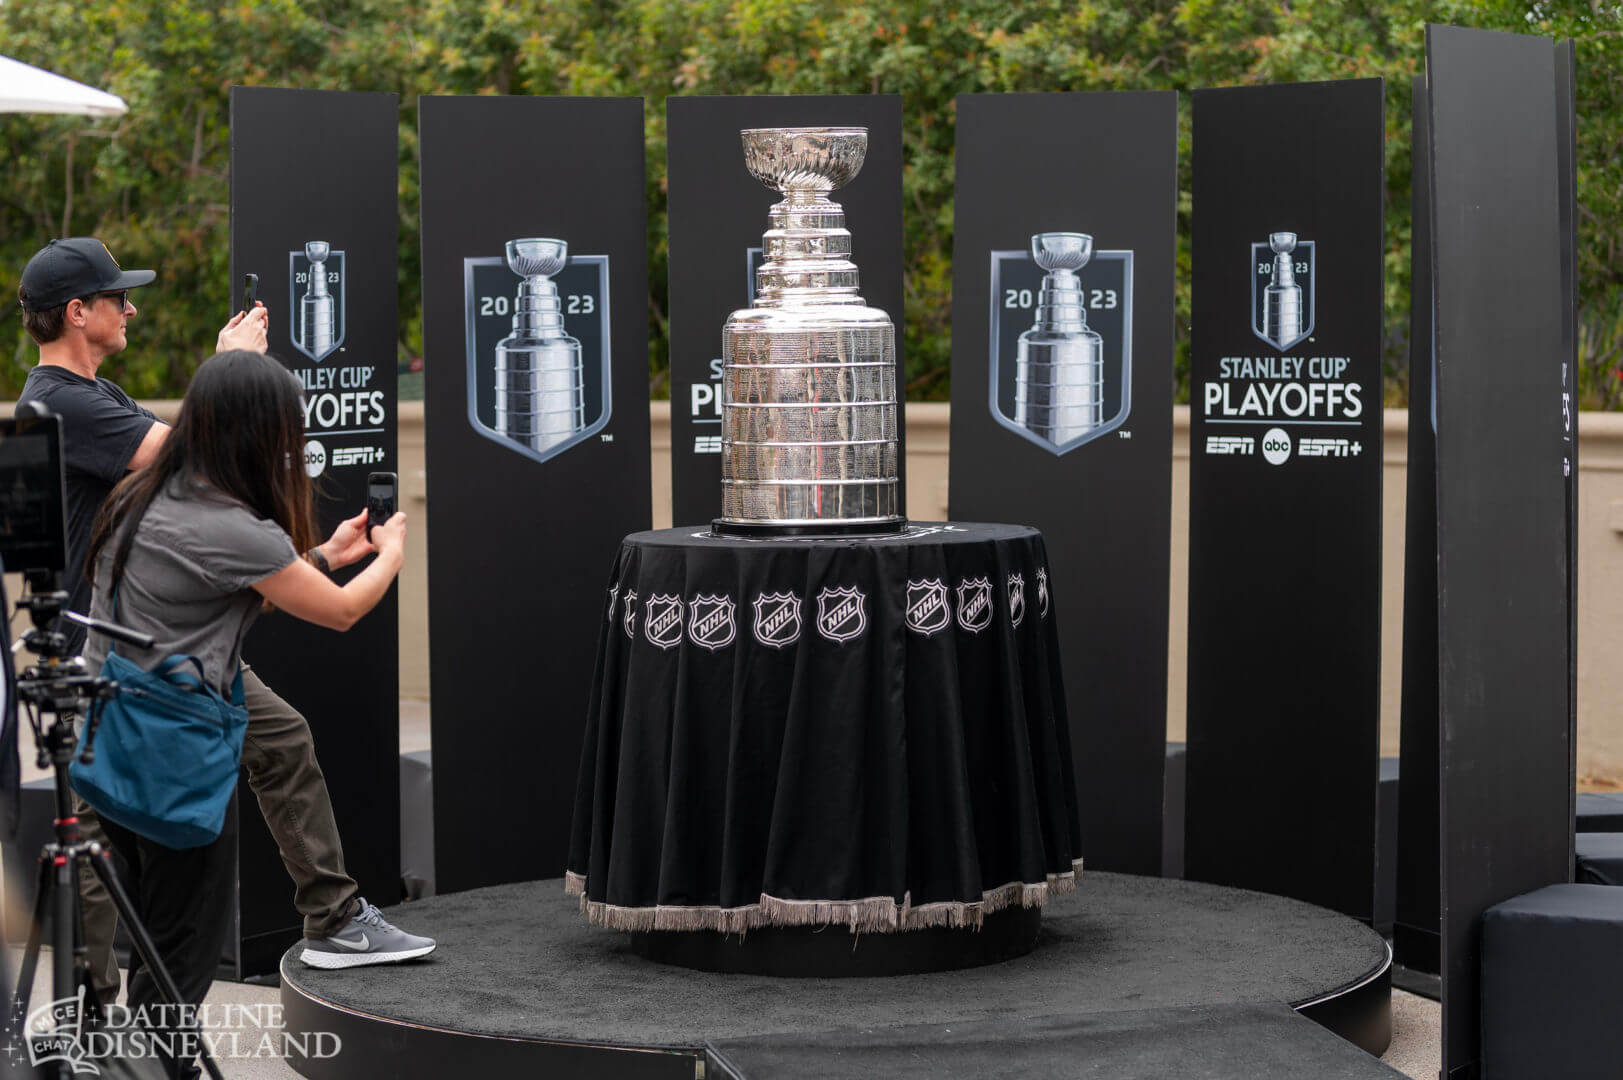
{"x": 519, "y": 978}
{"x": 1257, "y": 1042}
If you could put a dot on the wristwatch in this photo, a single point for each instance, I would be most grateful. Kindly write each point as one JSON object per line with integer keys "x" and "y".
{"x": 320, "y": 560}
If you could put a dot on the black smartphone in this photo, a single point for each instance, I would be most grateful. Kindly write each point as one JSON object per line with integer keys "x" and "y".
{"x": 250, "y": 291}
{"x": 382, "y": 493}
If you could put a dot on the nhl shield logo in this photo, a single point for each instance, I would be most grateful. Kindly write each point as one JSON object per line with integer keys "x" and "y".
{"x": 777, "y": 619}
{"x": 975, "y": 604}
{"x": 629, "y": 619}
{"x": 1017, "y": 598}
{"x": 841, "y": 613}
{"x": 662, "y": 620}
{"x": 1042, "y": 591}
{"x": 710, "y": 621}
{"x": 614, "y": 597}
{"x": 927, "y": 609}
{"x": 1284, "y": 270}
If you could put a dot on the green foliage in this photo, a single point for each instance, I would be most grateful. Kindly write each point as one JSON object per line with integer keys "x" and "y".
{"x": 154, "y": 184}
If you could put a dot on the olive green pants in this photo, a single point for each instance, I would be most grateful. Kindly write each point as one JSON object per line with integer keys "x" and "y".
{"x": 280, "y": 756}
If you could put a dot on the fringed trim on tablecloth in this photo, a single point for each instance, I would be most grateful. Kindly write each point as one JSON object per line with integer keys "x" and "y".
{"x": 871, "y": 915}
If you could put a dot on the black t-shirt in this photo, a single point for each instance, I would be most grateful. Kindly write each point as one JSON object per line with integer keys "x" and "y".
{"x": 101, "y": 430}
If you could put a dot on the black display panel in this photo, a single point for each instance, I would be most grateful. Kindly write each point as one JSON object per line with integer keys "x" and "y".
{"x": 1097, "y": 479}
{"x": 1504, "y": 465}
{"x": 314, "y": 214}
{"x": 1285, "y": 491}
{"x": 536, "y": 405}
{"x": 1415, "y": 941}
{"x": 717, "y": 213}
{"x": 1566, "y": 116}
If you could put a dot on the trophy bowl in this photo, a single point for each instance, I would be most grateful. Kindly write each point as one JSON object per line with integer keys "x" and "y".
{"x": 1062, "y": 250}
{"x": 537, "y": 255}
{"x": 817, "y": 159}
{"x": 1283, "y": 243}
{"x": 317, "y": 250}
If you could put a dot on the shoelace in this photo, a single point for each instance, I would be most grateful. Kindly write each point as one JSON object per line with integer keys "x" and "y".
{"x": 371, "y": 916}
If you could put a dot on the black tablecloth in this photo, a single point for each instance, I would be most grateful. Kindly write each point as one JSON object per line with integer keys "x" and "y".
{"x": 791, "y": 732}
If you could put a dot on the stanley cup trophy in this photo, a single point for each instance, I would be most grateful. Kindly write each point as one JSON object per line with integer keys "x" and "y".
{"x": 809, "y": 406}
{"x": 318, "y": 316}
{"x": 540, "y": 398}
{"x": 1059, "y": 372}
{"x": 1282, "y": 308}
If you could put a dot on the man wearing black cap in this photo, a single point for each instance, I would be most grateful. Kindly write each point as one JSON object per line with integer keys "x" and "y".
{"x": 76, "y": 306}
{"x": 76, "y": 303}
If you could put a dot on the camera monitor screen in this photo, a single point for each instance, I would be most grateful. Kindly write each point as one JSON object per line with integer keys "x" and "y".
{"x": 33, "y": 518}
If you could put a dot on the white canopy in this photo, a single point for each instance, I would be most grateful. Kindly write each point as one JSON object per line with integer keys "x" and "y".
{"x": 27, "y": 89}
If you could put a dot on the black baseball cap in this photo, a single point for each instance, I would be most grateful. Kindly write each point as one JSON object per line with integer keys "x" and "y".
{"x": 79, "y": 266}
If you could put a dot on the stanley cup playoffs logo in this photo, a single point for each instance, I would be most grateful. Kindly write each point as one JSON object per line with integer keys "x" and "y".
{"x": 537, "y": 332}
{"x": 1284, "y": 271}
{"x": 316, "y": 302}
{"x": 1061, "y": 340}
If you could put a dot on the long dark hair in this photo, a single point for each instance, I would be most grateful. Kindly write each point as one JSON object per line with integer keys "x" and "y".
{"x": 241, "y": 429}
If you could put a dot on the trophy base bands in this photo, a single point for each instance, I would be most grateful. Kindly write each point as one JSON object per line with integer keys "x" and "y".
{"x": 894, "y": 527}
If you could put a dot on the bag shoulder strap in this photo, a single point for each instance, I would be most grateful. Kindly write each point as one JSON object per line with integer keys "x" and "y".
{"x": 169, "y": 669}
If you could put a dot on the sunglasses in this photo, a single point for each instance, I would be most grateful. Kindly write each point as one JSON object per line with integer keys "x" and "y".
{"x": 122, "y": 296}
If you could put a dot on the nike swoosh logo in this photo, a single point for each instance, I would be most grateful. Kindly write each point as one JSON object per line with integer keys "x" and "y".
{"x": 350, "y": 945}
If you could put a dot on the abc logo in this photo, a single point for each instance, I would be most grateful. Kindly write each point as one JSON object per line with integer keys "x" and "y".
{"x": 315, "y": 458}
{"x": 1276, "y": 447}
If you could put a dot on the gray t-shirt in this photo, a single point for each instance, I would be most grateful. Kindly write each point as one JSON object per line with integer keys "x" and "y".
{"x": 189, "y": 579}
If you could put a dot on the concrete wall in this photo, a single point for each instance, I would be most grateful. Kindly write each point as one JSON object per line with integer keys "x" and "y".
{"x": 1600, "y": 609}
{"x": 1600, "y": 523}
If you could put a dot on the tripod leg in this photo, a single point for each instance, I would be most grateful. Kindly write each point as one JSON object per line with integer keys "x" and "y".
{"x": 81, "y": 963}
{"x": 36, "y": 929}
{"x": 102, "y": 864}
{"x": 63, "y": 932}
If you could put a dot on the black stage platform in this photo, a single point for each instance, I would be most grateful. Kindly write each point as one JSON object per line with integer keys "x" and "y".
{"x": 521, "y": 982}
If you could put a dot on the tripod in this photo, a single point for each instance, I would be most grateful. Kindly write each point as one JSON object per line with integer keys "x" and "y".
{"x": 57, "y": 686}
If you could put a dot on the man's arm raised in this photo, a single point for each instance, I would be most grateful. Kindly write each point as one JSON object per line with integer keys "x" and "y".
{"x": 244, "y": 331}
{"x": 147, "y": 452}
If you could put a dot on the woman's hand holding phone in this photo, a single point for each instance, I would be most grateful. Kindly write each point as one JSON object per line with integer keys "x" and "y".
{"x": 348, "y": 543}
{"x": 391, "y": 535}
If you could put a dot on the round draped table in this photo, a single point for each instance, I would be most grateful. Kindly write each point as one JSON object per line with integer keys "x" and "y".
{"x": 859, "y": 732}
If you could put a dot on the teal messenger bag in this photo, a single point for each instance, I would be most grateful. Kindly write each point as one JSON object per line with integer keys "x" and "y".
{"x": 167, "y": 751}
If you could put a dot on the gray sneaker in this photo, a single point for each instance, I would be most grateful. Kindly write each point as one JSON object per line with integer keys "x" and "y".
{"x": 365, "y": 939}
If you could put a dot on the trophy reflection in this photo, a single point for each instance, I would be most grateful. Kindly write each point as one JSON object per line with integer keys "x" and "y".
{"x": 1059, "y": 369}
{"x": 318, "y": 308}
{"x": 540, "y": 395}
{"x": 1283, "y": 311}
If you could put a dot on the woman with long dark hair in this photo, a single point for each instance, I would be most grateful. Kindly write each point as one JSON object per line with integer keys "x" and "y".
{"x": 190, "y": 550}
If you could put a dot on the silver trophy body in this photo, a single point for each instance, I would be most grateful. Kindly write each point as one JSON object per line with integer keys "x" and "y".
{"x": 1059, "y": 378}
{"x": 318, "y": 313}
{"x": 809, "y": 402}
{"x": 540, "y": 396}
{"x": 1283, "y": 312}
